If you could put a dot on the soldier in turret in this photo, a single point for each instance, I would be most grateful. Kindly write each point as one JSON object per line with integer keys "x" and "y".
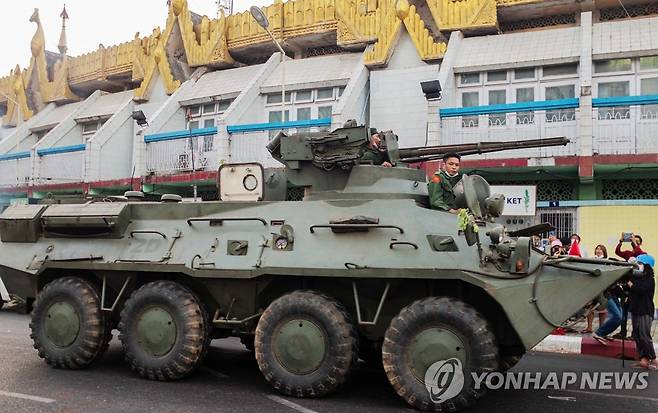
{"x": 440, "y": 187}
{"x": 373, "y": 152}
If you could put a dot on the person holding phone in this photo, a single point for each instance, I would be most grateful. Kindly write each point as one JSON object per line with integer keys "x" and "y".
{"x": 636, "y": 246}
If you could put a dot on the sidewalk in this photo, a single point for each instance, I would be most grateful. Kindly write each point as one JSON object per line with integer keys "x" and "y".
{"x": 574, "y": 342}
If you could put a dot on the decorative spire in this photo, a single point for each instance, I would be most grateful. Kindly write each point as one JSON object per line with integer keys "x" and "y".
{"x": 62, "y": 37}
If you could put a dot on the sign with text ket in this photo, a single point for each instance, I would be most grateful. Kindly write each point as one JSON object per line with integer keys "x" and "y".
{"x": 519, "y": 199}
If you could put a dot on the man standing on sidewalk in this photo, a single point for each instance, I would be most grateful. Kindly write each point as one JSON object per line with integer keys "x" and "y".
{"x": 642, "y": 288}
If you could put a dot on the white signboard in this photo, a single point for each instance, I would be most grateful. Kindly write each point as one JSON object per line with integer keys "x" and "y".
{"x": 520, "y": 200}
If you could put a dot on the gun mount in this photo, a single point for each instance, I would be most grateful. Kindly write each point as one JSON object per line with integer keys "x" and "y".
{"x": 323, "y": 161}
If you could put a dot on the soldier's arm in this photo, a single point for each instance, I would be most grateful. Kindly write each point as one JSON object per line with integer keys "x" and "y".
{"x": 436, "y": 196}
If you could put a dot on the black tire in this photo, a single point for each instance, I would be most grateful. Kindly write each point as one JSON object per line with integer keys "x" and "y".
{"x": 93, "y": 336}
{"x": 450, "y": 317}
{"x": 189, "y": 323}
{"x": 330, "y": 320}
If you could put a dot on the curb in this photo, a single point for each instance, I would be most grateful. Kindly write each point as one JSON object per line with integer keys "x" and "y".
{"x": 577, "y": 345}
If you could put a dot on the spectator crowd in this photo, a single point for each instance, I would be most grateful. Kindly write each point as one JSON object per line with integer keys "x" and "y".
{"x": 631, "y": 296}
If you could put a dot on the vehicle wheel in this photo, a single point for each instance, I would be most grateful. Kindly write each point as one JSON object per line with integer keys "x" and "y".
{"x": 439, "y": 341}
{"x": 164, "y": 330}
{"x": 306, "y": 344}
{"x": 69, "y": 329}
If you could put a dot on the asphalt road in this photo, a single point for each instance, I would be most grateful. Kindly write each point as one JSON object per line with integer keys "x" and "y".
{"x": 231, "y": 382}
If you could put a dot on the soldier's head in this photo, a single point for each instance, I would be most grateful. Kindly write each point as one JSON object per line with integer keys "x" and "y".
{"x": 375, "y": 141}
{"x": 451, "y": 163}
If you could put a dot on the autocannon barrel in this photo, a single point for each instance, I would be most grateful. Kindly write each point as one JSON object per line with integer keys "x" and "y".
{"x": 429, "y": 153}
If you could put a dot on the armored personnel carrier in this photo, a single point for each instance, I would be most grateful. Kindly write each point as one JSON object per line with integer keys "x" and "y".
{"x": 361, "y": 267}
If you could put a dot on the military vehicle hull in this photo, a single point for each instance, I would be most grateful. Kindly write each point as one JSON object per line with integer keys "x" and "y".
{"x": 399, "y": 255}
{"x": 360, "y": 268}
{"x": 227, "y": 254}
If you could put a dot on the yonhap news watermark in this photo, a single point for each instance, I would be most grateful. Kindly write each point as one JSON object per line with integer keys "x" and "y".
{"x": 604, "y": 380}
{"x": 445, "y": 379}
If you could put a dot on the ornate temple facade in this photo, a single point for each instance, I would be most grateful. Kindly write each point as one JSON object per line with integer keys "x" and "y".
{"x": 162, "y": 111}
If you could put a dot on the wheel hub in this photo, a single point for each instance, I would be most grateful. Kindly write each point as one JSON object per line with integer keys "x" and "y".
{"x": 62, "y": 324}
{"x": 156, "y": 331}
{"x": 300, "y": 346}
{"x": 432, "y": 345}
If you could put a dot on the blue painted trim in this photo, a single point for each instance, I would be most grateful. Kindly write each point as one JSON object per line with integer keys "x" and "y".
{"x": 257, "y": 127}
{"x": 510, "y": 107}
{"x": 179, "y": 134}
{"x": 625, "y": 101}
{"x": 602, "y": 202}
{"x": 61, "y": 149}
{"x": 15, "y": 155}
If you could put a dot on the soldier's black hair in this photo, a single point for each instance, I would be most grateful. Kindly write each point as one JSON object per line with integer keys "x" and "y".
{"x": 373, "y": 131}
{"x": 451, "y": 155}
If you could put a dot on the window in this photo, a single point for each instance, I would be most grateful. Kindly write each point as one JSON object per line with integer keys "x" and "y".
{"x": 40, "y": 134}
{"x": 497, "y": 76}
{"x": 469, "y": 78}
{"x": 524, "y": 73}
{"x": 273, "y": 98}
{"x": 614, "y": 65}
{"x": 497, "y": 97}
{"x": 525, "y": 94}
{"x": 326, "y": 94}
{"x": 323, "y": 113}
{"x": 560, "y": 70}
{"x": 304, "y": 96}
{"x": 613, "y": 89}
{"x": 341, "y": 90}
{"x": 470, "y": 99}
{"x": 303, "y": 114}
{"x": 223, "y": 105}
{"x": 648, "y": 62}
{"x": 649, "y": 86}
{"x": 209, "y": 108}
{"x": 195, "y": 110}
{"x": 562, "y": 221}
{"x": 557, "y": 93}
{"x": 275, "y": 117}
{"x": 91, "y": 128}
{"x": 208, "y": 140}
{"x": 193, "y": 124}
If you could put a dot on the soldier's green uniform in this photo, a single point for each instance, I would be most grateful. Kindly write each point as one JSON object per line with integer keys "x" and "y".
{"x": 373, "y": 156}
{"x": 440, "y": 190}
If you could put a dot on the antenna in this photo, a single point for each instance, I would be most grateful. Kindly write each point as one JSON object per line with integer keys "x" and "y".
{"x": 224, "y": 5}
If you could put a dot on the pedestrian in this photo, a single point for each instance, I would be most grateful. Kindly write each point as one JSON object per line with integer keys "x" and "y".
{"x": 576, "y": 248}
{"x": 600, "y": 252}
{"x": 440, "y": 187}
{"x": 553, "y": 239}
{"x": 642, "y": 288}
{"x": 636, "y": 247}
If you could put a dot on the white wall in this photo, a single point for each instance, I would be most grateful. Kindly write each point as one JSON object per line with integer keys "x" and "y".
{"x": 116, "y": 154}
{"x": 396, "y": 99}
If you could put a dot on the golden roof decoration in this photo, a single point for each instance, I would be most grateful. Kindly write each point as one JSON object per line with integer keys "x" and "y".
{"x": 226, "y": 41}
